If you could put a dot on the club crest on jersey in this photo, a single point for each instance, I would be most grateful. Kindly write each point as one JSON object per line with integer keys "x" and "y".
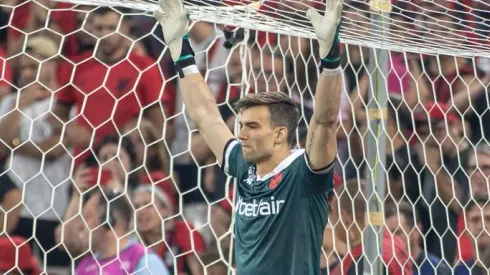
{"x": 252, "y": 176}
{"x": 275, "y": 181}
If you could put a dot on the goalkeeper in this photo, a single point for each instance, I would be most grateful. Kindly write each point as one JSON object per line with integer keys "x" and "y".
{"x": 281, "y": 208}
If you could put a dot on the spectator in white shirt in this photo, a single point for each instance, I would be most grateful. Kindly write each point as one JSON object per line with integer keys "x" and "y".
{"x": 37, "y": 164}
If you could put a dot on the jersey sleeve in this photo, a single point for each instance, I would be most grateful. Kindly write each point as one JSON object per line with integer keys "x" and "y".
{"x": 232, "y": 158}
{"x": 320, "y": 179}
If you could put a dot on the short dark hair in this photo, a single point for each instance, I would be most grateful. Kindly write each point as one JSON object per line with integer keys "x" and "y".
{"x": 405, "y": 209}
{"x": 283, "y": 111}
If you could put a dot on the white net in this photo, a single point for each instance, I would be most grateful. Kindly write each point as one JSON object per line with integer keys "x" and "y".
{"x": 89, "y": 100}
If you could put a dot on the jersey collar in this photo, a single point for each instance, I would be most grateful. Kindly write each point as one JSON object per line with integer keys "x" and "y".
{"x": 283, "y": 165}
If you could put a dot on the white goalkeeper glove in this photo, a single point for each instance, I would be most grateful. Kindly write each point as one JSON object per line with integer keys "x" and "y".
{"x": 326, "y": 27}
{"x": 175, "y": 25}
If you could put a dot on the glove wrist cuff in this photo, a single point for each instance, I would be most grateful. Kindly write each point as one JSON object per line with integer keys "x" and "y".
{"x": 332, "y": 60}
{"x": 186, "y": 59}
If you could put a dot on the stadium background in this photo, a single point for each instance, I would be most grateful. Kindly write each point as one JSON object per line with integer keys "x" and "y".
{"x": 133, "y": 91}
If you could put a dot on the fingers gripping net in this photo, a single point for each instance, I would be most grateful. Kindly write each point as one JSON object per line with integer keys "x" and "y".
{"x": 175, "y": 179}
{"x": 419, "y": 25}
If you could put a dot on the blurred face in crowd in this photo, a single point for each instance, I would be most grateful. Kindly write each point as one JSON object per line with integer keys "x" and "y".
{"x": 106, "y": 26}
{"x": 141, "y": 134}
{"x": 29, "y": 69}
{"x": 448, "y": 136}
{"x": 340, "y": 219}
{"x": 479, "y": 172}
{"x": 398, "y": 225}
{"x": 267, "y": 72}
{"x": 478, "y": 224}
{"x": 115, "y": 160}
{"x": 83, "y": 36}
{"x": 149, "y": 215}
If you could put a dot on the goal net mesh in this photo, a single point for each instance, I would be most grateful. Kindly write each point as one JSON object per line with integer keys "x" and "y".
{"x": 99, "y": 157}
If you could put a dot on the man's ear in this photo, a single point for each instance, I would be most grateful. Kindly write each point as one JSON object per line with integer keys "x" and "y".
{"x": 280, "y": 135}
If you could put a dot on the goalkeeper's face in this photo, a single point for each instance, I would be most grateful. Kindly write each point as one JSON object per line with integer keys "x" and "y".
{"x": 258, "y": 138}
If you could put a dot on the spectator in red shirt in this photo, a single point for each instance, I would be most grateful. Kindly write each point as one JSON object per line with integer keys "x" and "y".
{"x": 111, "y": 87}
{"x": 175, "y": 244}
{"x": 16, "y": 257}
{"x": 348, "y": 213}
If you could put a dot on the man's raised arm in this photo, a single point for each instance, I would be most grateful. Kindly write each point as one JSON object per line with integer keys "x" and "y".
{"x": 321, "y": 143}
{"x": 198, "y": 98}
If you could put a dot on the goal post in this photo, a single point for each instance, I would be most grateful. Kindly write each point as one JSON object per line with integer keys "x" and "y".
{"x": 377, "y": 102}
{"x": 414, "y": 113}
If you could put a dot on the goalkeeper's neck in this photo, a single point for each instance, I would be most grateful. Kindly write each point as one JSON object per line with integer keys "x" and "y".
{"x": 266, "y": 166}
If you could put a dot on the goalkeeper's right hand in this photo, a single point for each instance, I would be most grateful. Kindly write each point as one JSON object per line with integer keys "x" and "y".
{"x": 175, "y": 25}
{"x": 327, "y": 32}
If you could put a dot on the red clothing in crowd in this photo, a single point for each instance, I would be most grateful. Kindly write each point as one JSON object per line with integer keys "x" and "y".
{"x": 395, "y": 257}
{"x": 107, "y": 98}
{"x": 64, "y": 18}
{"x": 5, "y": 70}
{"x": 15, "y": 252}
{"x": 465, "y": 244}
{"x": 180, "y": 245}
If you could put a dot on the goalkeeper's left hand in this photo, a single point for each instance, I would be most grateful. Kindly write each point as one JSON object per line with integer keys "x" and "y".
{"x": 326, "y": 27}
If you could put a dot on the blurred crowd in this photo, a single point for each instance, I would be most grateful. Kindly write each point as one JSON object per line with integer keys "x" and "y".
{"x": 100, "y": 166}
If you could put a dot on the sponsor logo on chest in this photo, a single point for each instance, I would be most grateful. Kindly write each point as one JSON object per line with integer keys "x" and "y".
{"x": 255, "y": 208}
